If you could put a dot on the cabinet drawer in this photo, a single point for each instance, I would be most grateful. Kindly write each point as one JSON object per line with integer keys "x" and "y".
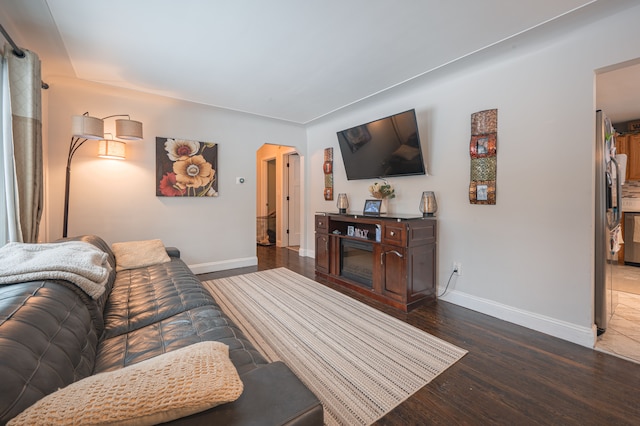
{"x": 395, "y": 234}
{"x": 322, "y": 224}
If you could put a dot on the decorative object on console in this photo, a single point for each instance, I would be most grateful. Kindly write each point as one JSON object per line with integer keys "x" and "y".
{"x": 361, "y": 233}
{"x": 383, "y": 191}
{"x": 186, "y": 168}
{"x": 372, "y": 207}
{"x": 84, "y": 128}
{"x": 327, "y": 168}
{"x": 343, "y": 203}
{"x": 428, "y": 204}
{"x": 483, "y": 152}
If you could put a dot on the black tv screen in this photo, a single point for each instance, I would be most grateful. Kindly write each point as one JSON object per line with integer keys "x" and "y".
{"x": 383, "y": 148}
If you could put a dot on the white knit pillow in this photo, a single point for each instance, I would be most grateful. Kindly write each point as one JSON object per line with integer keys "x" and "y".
{"x": 167, "y": 387}
{"x": 138, "y": 254}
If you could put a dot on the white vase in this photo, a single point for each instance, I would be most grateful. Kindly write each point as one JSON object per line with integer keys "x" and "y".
{"x": 384, "y": 207}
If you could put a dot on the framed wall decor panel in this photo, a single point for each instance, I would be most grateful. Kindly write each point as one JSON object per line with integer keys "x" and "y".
{"x": 327, "y": 168}
{"x": 484, "y": 122}
{"x": 483, "y": 150}
{"x": 186, "y": 168}
{"x": 483, "y": 146}
{"x": 482, "y": 192}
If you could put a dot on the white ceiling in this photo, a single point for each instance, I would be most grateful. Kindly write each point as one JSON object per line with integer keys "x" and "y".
{"x": 287, "y": 59}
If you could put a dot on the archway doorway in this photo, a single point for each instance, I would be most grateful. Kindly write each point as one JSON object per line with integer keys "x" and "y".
{"x": 279, "y": 196}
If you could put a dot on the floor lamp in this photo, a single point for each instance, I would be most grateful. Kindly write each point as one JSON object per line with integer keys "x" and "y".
{"x": 84, "y": 128}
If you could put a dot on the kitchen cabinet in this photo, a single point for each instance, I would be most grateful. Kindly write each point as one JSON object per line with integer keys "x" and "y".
{"x": 622, "y": 147}
{"x": 633, "y": 153}
{"x": 622, "y": 144}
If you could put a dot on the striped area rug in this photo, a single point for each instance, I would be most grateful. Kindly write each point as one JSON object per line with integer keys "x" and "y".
{"x": 360, "y": 362}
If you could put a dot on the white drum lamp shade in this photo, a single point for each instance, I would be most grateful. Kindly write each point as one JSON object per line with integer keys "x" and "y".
{"x": 111, "y": 149}
{"x": 130, "y": 130}
{"x": 86, "y": 127}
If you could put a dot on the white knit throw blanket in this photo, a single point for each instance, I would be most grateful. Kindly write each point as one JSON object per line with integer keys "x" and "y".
{"x": 78, "y": 262}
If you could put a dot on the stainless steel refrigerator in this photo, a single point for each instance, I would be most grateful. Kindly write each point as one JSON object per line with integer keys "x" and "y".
{"x": 608, "y": 214}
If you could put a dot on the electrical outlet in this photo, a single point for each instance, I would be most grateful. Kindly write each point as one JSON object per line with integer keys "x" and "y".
{"x": 457, "y": 268}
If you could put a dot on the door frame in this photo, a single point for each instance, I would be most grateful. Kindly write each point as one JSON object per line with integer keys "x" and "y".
{"x": 287, "y": 220}
{"x": 264, "y": 154}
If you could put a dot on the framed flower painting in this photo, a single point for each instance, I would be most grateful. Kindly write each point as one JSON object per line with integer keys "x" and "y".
{"x": 186, "y": 168}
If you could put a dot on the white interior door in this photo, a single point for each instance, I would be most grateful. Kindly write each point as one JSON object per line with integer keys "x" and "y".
{"x": 293, "y": 199}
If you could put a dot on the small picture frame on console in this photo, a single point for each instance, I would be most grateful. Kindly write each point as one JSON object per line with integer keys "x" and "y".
{"x": 372, "y": 207}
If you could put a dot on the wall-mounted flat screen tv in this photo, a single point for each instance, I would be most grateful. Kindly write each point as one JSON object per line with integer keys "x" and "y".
{"x": 383, "y": 148}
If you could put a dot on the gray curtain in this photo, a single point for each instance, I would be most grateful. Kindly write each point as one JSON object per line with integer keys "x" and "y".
{"x": 26, "y": 115}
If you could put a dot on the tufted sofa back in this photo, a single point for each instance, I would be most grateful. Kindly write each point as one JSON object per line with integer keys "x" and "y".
{"x": 47, "y": 341}
{"x": 49, "y": 333}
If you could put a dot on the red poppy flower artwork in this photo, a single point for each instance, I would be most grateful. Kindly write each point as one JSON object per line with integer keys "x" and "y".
{"x": 186, "y": 168}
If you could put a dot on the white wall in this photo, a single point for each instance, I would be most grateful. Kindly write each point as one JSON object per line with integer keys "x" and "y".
{"x": 116, "y": 199}
{"x": 528, "y": 259}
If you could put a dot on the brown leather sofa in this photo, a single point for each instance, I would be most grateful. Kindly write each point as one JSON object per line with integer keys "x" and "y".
{"x": 52, "y": 334}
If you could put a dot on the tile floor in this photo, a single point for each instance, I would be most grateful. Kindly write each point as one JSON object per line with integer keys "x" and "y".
{"x": 622, "y": 337}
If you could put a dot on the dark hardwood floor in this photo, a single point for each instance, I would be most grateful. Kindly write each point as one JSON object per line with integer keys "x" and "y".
{"x": 511, "y": 375}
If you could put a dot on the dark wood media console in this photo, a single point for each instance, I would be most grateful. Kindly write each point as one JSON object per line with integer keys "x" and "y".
{"x": 390, "y": 259}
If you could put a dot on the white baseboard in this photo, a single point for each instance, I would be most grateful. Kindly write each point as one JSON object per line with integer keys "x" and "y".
{"x": 584, "y": 336}
{"x": 306, "y": 253}
{"x": 203, "y": 268}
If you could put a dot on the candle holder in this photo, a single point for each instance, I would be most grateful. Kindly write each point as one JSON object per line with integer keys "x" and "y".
{"x": 428, "y": 204}
{"x": 343, "y": 203}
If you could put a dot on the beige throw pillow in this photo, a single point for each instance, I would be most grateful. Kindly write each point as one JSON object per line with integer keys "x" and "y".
{"x": 167, "y": 387}
{"x": 138, "y": 254}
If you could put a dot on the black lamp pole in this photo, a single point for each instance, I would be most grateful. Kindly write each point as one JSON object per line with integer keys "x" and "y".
{"x": 73, "y": 147}
{"x": 127, "y": 132}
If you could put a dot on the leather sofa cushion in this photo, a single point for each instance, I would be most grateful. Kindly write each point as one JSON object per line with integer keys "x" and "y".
{"x": 272, "y": 395}
{"x": 58, "y": 344}
{"x": 147, "y": 295}
{"x": 204, "y": 323}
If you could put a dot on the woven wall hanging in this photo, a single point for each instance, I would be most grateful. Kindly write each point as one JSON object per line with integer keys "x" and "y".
{"x": 484, "y": 159}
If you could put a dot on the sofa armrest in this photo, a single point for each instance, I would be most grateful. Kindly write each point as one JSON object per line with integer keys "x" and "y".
{"x": 173, "y": 251}
{"x": 272, "y": 395}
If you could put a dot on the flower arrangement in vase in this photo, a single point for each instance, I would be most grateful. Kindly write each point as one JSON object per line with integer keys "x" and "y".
{"x": 382, "y": 191}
